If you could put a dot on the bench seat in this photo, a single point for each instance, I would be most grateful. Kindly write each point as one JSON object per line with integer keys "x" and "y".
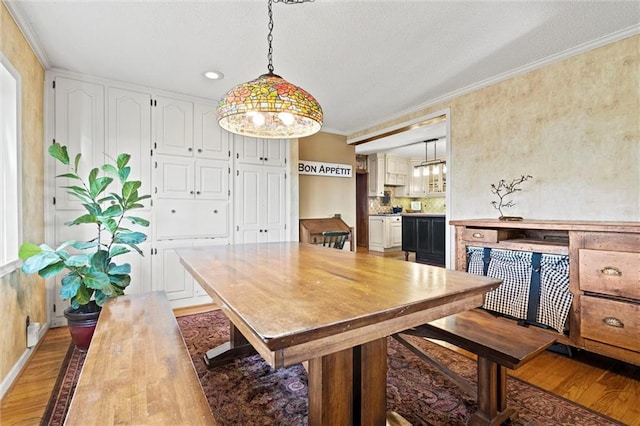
{"x": 137, "y": 370}
{"x": 499, "y": 344}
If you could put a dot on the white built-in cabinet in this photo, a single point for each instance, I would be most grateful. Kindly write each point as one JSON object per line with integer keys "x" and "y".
{"x": 207, "y": 186}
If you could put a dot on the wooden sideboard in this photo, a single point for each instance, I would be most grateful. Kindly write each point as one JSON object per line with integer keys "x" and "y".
{"x": 604, "y": 274}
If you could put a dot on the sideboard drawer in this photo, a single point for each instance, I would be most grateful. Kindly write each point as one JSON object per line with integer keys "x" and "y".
{"x": 487, "y": 235}
{"x": 610, "y": 321}
{"x": 610, "y": 272}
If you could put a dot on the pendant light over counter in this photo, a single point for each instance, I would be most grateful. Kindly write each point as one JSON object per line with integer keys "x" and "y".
{"x": 269, "y": 106}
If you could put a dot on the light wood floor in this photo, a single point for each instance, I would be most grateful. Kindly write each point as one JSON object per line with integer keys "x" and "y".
{"x": 602, "y": 384}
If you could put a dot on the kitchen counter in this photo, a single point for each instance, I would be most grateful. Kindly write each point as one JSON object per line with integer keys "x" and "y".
{"x": 423, "y": 214}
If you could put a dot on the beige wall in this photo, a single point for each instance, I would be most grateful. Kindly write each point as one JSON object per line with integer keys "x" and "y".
{"x": 22, "y": 295}
{"x": 573, "y": 125}
{"x": 324, "y": 196}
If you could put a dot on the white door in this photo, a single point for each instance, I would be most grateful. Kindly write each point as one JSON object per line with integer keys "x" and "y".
{"x": 273, "y": 198}
{"x": 79, "y": 124}
{"x": 168, "y": 273}
{"x": 212, "y": 179}
{"x": 248, "y": 204}
{"x": 209, "y": 139}
{"x": 129, "y": 131}
{"x": 274, "y": 152}
{"x": 174, "y": 177}
{"x": 173, "y": 125}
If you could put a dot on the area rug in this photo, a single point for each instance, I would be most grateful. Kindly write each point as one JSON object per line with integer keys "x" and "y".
{"x": 249, "y": 392}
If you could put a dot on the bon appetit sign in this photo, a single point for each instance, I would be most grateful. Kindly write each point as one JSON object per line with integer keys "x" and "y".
{"x": 324, "y": 169}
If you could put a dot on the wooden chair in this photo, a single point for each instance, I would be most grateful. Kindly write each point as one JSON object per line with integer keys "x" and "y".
{"x": 334, "y": 239}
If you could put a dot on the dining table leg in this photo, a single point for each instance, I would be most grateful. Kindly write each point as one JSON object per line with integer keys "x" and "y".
{"x": 349, "y": 387}
{"x": 237, "y": 347}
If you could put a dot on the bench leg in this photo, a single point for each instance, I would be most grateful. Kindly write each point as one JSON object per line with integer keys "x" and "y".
{"x": 492, "y": 395}
{"x": 237, "y": 347}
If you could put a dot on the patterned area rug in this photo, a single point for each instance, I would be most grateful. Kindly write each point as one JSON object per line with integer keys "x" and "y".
{"x": 248, "y": 392}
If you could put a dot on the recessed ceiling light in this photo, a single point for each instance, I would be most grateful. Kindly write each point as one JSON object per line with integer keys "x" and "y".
{"x": 214, "y": 75}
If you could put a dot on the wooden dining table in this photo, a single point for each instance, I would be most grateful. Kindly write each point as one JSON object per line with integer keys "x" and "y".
{"x": 292, "y": 302}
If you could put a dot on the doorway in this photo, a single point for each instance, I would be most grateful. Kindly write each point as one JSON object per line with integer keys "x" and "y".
{"x": 362, "y": 210}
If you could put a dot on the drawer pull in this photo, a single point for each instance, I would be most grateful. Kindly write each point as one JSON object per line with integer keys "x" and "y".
{"x": 613, "y": 322}
{"x": 478, "y": 235}
{"x": 610, "y": 270}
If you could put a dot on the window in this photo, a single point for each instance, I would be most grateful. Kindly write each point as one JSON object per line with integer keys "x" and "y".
{"x": 10, "y": 222}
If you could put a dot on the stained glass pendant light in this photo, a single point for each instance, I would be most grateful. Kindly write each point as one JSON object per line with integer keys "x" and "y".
{"x": 269, "y": 106}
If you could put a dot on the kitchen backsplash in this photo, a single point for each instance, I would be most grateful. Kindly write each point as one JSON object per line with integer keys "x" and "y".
{"x": 429, "y": 205}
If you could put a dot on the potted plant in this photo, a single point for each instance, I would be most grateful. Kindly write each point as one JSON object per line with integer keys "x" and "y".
{"x": 92, "y": 276}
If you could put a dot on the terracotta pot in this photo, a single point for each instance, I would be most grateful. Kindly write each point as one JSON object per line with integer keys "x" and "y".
{"x": 82, "y": 323}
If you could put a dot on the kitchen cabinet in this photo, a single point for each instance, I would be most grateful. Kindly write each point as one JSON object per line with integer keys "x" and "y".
{"x": 376, "y": 175}
{"x": 421, "y": 185}
{"x": 385, "y": 232}
{"x": 260, "y": 205}
{"x": 209, "y": 139}
{"x": 78, "y": 124}
{"x": 395, "y": 173}
{"x": 264, "y": 152}
{"x": 603, "y": 275}
{"x": 173, "y": 126}
{"x": 424, "y": 234}
{"x": 175, "y": 219}
{"x": 128, "y": 130}
{"x": 189, "y": 178}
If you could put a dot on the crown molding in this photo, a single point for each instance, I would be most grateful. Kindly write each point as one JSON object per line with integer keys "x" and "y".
{"x": 27, "y": 31}
{"x": 582, "y": 48}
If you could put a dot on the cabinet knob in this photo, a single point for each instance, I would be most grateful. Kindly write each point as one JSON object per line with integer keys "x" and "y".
{"x": 261, "y": 158}
{"x": 190, "y": 149}
{"x": 197, "y": 192}
{"x": 611, "y": 270}
{"x": 478, "y": 235}
{"x": 199, "y": 150}
{"x": 173, "y": 211}
{"x": 190, "y": 192}
{"x": 261, "y": 230}
{"x": 215, "y": 211}
{"x": 265, "y": 230}
{"x": 266, "y": 159}
{"x": 613, "y": 322}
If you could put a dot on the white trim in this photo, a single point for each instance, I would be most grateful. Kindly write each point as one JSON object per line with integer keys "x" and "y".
{"x": 576, "y": 50}
{"x": 14, "y": 373}
{"x": 27, "y": 31}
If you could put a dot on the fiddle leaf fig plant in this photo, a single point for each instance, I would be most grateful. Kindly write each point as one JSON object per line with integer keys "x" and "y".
{"x": 91, "y": 272}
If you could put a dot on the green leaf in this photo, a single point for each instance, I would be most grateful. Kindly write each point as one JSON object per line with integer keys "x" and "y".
{"x": 137, "y": 220}
{"x": 123, "y": 174}
{"x": 78, "y": 260}
{"x": 94, "y": 209}
{"x": 83, "y": 245}
{"x": 69, "y": 175}
{"x": 70, "y": 285}
{"x": 120, "y": 281}
{"x": 123, "y": 269}
{"x": 122, "y": 160}
{"x": 108, "y": 168}
{"x": 111, "y": 225}
{"x": 59, "y": 152}
{"x": 27, "y": 250}
{"x": 96, "y": 280}
{"x": 113, "y": 211}
{"x": 76, "y": 162}
{"x": 39, "y": 261}
{"x": 65, "y": 245}
{"x": 99, "y": 260}
{"x": 118, "y": 250}
{"x": 129, "y": 238}
{"x": 130, "y": 188}
{"x": 100, "y": 297}
{"x": 99, "y": 185}
{"x": 51, "y": 270}
{"x": 86, "y": 218}
{"x": 93, "y": 174}
{"x": 82, "y": 297}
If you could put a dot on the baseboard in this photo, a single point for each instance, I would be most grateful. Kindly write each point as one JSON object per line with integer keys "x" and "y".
{"x": 14, "y": 373}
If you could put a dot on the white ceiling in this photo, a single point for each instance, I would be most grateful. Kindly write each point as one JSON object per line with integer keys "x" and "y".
{"x": 365, "y": 61}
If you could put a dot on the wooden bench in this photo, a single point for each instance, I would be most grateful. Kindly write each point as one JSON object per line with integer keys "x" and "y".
{"x": 138, "y": 370}
{"x": 498, "y": 343}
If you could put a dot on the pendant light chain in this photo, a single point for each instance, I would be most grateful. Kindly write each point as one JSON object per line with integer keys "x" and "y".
{"x": 270, "y": 39}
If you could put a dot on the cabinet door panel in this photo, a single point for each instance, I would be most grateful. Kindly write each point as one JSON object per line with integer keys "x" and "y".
{"x": 248, "y": 150}
{"x": 129, "y": 131}
{"x": 174, "y": 177}
{"x": 274, "y": 151}
{"x": 191, "y": 219}
{"x": 210, "y": 140}
{"x": 79, "y": 124}
{"x": 173, "y": 126}
{"x": 273, "y": 196}
{"x": 248, "y": 204}
{"x": 168, "y": 273}
{"x": 212, "y": 179}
